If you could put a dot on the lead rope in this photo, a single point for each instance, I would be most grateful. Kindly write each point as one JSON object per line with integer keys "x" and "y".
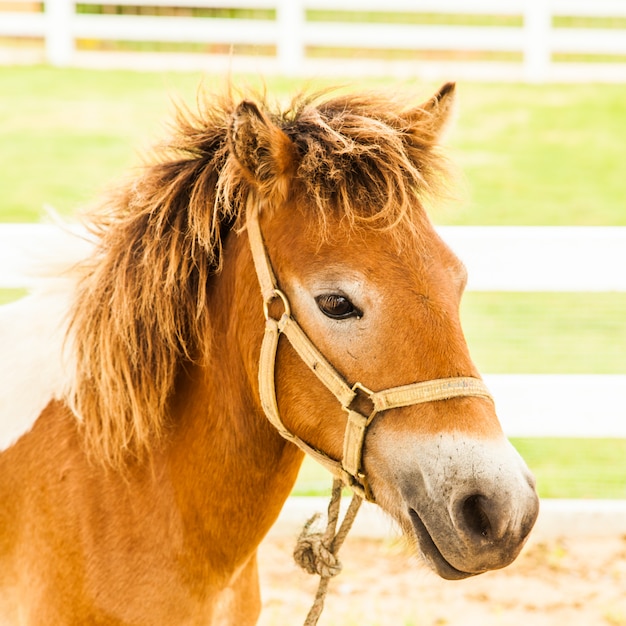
{"x": 316, "y": 552}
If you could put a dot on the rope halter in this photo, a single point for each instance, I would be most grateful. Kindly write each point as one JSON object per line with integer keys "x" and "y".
{"x": 349, "y": 470}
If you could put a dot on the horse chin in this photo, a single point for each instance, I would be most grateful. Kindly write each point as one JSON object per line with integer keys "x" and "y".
{"x": 431, "y": 553}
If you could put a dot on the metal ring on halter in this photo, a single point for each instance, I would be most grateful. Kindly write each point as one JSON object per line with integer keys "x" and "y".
{"x": 277, "y": 293}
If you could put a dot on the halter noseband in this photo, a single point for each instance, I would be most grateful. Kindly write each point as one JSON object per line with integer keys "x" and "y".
{"x": 349, "y": 469}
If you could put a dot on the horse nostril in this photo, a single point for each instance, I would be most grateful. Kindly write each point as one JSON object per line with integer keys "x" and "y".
{"x": 475, "y": 517}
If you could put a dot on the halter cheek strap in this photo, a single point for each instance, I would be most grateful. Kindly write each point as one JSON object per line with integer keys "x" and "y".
{"x": 349, "y": 469}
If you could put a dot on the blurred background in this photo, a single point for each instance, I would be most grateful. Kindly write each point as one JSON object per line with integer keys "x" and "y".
{"x": 87, "y": 87}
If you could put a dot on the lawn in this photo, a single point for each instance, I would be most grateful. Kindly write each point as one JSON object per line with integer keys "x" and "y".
{"x": 529, "y": 154}
{"x": 546, "y": 333}
{"x": 8, "y": 295}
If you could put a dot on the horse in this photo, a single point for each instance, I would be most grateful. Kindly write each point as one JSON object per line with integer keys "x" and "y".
{"x": 269, "y": 284}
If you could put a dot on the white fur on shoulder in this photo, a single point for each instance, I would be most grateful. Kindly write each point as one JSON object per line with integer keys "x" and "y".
{"x": 34, "y": 353}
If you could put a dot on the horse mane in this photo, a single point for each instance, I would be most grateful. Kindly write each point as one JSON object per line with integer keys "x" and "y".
{"x": 140, "y": 311}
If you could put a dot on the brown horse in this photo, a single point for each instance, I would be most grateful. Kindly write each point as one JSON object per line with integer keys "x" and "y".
{"x": 151, "y": 473}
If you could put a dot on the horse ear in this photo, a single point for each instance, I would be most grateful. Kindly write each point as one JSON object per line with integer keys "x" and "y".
{"x": 263, "y": 151}
{"x": 436, "y": 113}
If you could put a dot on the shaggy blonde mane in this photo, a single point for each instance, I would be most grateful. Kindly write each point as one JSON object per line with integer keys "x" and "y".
{"x": 141, "y": 307}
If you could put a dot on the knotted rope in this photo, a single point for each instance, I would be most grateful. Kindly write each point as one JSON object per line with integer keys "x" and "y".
{"x": 316, "y": 552}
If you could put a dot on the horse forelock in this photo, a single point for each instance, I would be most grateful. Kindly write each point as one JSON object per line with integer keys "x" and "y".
{"x": 141, "y": 306}
{"x": 368, "y": 159}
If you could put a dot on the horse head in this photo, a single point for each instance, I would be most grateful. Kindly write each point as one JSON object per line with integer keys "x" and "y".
{"x": 339, "y": 192}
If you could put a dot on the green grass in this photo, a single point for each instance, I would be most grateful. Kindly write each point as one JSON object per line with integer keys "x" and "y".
{"x": 9, "y": 295}
{"x": 576, "y": 468}
{"x": 406, "y": 17}
{"x": 563, "y": 467}
{"x": 531, "y": 154}
{"x": 162, "y": 11}
{"x": 546, "y": 333}
{"x": 67, "y": 134}
{"x": 542, "y": 155}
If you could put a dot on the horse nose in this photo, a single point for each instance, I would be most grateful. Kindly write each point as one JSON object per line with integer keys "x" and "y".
{"x": 493, "y": 525}
{"x": 477, "y": 517}
{"x": 481, "y": 518}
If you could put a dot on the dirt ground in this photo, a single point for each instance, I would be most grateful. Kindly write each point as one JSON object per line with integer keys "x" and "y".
{"x": 566, "y": 581}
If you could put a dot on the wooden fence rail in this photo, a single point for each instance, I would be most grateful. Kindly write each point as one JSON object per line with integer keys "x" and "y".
{"x": 568, "y": 259}
{"x": 533, "y": 32}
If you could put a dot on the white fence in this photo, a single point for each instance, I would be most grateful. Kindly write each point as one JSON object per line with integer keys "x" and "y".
{"x": 291, "y": 29}
{"x": 498, "y": 259}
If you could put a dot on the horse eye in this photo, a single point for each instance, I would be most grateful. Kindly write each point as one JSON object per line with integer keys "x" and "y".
{"x": 337, "y": 307}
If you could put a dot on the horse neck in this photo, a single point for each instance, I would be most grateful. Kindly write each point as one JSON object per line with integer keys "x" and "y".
{"x": 233, "y": 471}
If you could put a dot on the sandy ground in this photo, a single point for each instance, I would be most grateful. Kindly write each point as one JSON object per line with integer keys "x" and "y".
{"x": 556, "y": 581}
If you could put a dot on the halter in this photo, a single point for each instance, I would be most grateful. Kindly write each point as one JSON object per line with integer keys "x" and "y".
{"x": 349, "y": 469}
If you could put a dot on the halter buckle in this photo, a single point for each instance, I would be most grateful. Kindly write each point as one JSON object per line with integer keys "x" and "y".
{"x": 362, "y": 398}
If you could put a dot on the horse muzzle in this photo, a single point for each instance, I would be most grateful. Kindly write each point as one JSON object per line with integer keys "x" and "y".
{"x": 468, "y": 505}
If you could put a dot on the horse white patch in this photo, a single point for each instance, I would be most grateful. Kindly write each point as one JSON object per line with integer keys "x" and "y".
{"x": 33, "y": 367}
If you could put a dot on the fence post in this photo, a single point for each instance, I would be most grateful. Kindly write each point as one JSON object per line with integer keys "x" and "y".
{"x": 537, "y": 31}
{"x": 290, "y": 16}
{"x": 59, "y": 37}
